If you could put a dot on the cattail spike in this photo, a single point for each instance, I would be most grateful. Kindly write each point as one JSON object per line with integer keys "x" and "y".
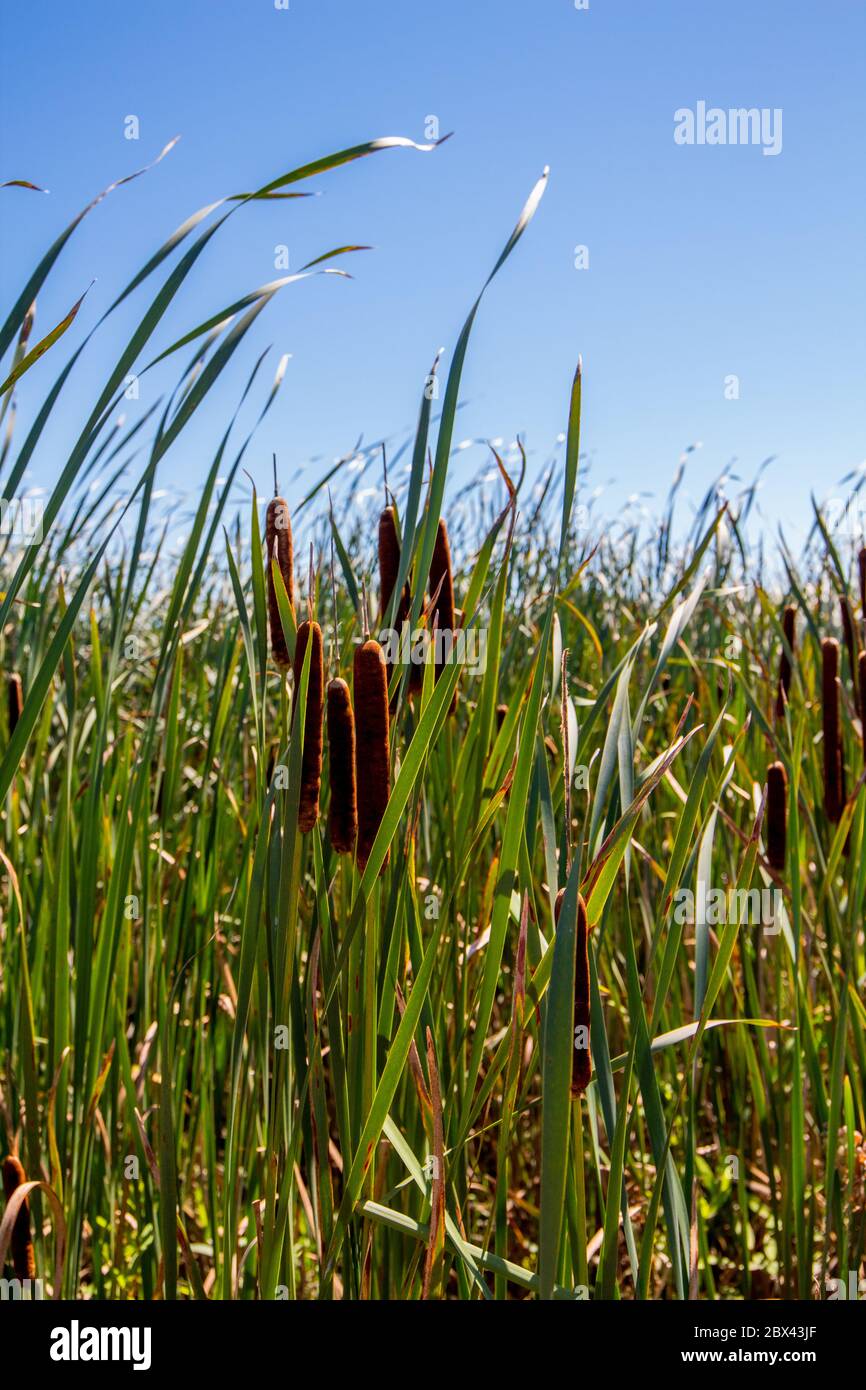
{"x": 441, "y": 581}
{"x": 389, "y": 569}
{"x": 830, "y": 688}
{"x": 789, "y": 627}
{"x": 861, "y": 561}
{"x": 278, "y": 537}
{"x": 777, "y": 811}
{"x": 372, "y": 759}
{"x": 343, "y": 810}
{"x": 311, "y": 762}
{"x": 21, "y": 1245}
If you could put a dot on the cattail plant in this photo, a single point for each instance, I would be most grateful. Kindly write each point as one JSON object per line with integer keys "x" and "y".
{"x": 861, "y": 561}
{"x": 789, "y": 627}
{"x": 16, "y": 701}
{"x": 310, "y": 634}
{"x": 777, "y": 812}
{"x": 581, "y": 1066}
{"x": 278, "y": 538}
{"x": 343, "y": 811}
{"x": 389, "y": 568}
{"x": 442, "y": 591}
{"x": 372, "y": 775}
{"x": 311, "y": 762}
{"x": 21, "y": 1246}
{"x": 861, "y": 674}
{"x": 830, "y": 694}
{"x": 343, "y": 807}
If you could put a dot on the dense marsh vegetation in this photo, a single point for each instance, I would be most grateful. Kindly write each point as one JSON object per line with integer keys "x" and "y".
{"x": 236, "y": 1065}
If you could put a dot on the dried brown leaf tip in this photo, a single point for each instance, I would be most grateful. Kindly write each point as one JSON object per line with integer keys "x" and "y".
{"x": 343, "y": 810}
{"x": 834, "y": 796}
{"x": 372, "y": 763}
{"x": 309, "y": 633}
{"x": 278, "y": 538}
{"x": 777, "y": 811}
{"x": 789, "y": 627}
{"x": 16, "y": 701}
{"x": 581, "y": 1065}
{"x": 442, "y": 580}
{"x": 21, "y": 1246}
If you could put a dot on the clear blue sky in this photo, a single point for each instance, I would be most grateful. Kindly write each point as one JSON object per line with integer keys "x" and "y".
{"x": 703, "y": 261}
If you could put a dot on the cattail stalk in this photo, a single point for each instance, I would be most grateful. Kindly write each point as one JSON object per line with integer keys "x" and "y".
{"x": 830, "y": 693}
{"x": 310, "y": 633}
{"x": 441, "y": 579}
{"x": 777, "y": 812}
{"x": 16, "y": 701}
{"x": 789, "y": 627}
{"x": 581, "y": 1065}
{"x": 343, "y": 812}
{"x": 372, "y": 774}
{"x": 278, "y": 537}
{"x": 848, "y": 634}
{"x": 23, "y": 1259}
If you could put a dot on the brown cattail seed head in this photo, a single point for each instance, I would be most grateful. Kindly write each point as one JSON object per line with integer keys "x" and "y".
{"x": 389, "y": 568}
{"x": 23, "y": 1261}
{"x": 372, "y": 773}
{"x": 278, "y": 537}
{"x": 861, "y": 562}
{"x": 777, "y": 811}
{"x": 501, "y": 712}
{"x": 861, "y": 673}
{"x": 343, "y": 812}
{"x": 581, "y": 1066}
{"x": 830, "y": 691}
{"x": 311, "y": 764}
{"x": 443, "y": 613}
{"x": 16, "y": 702}
{"x": 789, "y": 627}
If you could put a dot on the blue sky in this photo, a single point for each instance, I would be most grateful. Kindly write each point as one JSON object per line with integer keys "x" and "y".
{"x": 704, "y": 262}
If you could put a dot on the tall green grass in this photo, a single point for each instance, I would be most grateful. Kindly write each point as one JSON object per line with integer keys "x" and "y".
{"x": 241, "y": 1069}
